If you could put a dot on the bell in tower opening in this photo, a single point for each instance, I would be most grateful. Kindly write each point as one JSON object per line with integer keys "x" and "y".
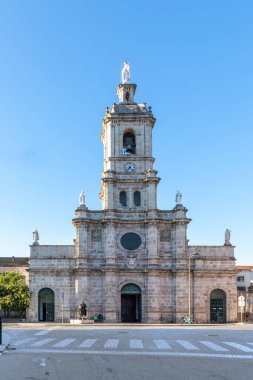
{"x": 129, "y": 143}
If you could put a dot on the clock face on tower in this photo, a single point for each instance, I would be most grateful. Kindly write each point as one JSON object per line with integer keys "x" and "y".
{"x": 129, "y": 167}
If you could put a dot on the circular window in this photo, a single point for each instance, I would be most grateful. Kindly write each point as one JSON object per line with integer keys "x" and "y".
{"x": 130, "y": 241}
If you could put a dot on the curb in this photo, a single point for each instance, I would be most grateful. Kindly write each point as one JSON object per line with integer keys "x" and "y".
{"x": 2, "y": 348}
{"x": 5, "y": 339}
{"x": 120, "y": 325}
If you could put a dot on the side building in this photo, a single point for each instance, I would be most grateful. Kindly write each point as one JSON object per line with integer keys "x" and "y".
{"x": 130, "y": 261}
{"x": 14, "y": 264}
{"x": 245, "y": 289}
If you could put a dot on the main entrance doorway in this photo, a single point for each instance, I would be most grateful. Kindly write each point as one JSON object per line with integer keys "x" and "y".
{"x": 131, "y": 303}
{"x": 218, "y": 306}
{"x": 46, "y": 305}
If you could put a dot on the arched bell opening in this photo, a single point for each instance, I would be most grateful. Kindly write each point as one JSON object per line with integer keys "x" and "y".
{"x": 218, "y": 306}
{"x": 137, "y": 198}
{"x": 46, "y": 305}
{"x": 129, "y": 146}
{"x": 123, "y": 198}
{"x": 131, "y": 303}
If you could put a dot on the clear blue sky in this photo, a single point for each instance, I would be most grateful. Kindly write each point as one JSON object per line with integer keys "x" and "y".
{"x": 60, "y": 63}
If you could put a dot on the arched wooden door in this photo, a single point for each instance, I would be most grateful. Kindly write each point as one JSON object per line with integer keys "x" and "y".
{"x": 131, "y": 303}
{"x": 218, "y": 306}
{"x": 46, "y": 305}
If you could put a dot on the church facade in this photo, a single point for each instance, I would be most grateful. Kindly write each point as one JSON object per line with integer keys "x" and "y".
{"x": 130, "y": 261}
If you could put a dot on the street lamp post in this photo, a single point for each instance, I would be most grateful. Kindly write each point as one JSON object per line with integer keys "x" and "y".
{"x": 190, "y": 256}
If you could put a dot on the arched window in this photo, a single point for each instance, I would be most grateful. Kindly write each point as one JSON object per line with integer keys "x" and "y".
{"x": 130, "y": 289}
{"x": 123, "y": 198}
{"x": 137, "y": 198}
{"x": 129, "y": 143}
{"x": 127, "y": 96}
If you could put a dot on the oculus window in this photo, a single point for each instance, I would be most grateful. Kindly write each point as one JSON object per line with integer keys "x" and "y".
{"x": 130, "y": 241}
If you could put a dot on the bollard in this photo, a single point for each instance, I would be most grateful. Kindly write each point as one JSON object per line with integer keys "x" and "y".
{"x": 0, "y": 331}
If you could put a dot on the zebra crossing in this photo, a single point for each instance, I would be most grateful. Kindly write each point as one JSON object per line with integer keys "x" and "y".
{"x": 146, "y": 345}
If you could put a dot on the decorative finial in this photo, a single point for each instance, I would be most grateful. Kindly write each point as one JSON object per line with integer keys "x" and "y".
{"x": 35, "y": 237}
{"x": 227, "y": 237}
{"x": 125, "y": 73}
{"x": 178, "y": 197}
{"x": 82, "y": 198}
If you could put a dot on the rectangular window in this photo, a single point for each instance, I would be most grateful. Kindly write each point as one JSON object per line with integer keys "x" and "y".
{"x": 240, "y": 278}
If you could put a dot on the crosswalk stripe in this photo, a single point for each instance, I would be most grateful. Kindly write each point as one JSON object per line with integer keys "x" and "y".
{"x": 136, "y": 343}
{"x": 22, "y": 341}
{"x": 212, "y": 345}
{"x": 64, "y": 343}
{"x": 88, "y": 343}
{"x": 239, "y": 346}
{"x": 111, "y": 343}
{"x": 43, "y": 332}
{"x": 134, "y": 353}
{"x": 187, "y": 345}
{"x": 42, "y": 342}
{"x": 161, "y": 344}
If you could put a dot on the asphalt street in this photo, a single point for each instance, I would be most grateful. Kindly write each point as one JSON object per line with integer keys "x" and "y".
{"x": 66, "y": 352}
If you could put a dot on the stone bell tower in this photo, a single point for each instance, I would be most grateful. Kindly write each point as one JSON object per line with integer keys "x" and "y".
{"x": 128, "y": 179}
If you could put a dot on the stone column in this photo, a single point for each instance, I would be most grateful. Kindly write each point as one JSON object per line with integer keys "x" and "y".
{"x": 82, "y": 245}
{"x": 151, "y": 196}
{"x": 110, "y": 296}
{"x": 153, "y": 282}
{"x": 153, "y": 294}
{"x": 152, "y": 243}
{"x": 181, "y": 290}
{"x": 109, "y": 243}
{"x": 82, "y": 290}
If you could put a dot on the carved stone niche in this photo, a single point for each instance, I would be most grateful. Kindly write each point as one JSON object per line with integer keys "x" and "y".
{"x": 165, "y": 235}
{"x": 96, "y": 234}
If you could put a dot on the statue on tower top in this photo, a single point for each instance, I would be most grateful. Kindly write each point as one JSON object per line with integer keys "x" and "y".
{"x": 35, "y": 237}
{"x": 125, "y": 73}
{"x": 82, "y": 198}
{"x": 227, "y": 237}
{"x": 178, "y": 197}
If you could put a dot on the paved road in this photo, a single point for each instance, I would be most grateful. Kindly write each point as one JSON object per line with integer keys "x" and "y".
{"x": 55, "y": 352}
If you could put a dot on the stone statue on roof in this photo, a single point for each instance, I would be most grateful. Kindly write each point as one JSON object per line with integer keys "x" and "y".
{"x": 125, "y": 73}
{"x": 227, "y": 237}
{"x": 35, "y": 237}
{"x": 178, "y": 197}
{"x": 82, "y": 198}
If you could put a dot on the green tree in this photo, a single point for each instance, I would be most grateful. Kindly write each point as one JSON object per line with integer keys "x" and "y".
{"x": 14, "y": 293}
